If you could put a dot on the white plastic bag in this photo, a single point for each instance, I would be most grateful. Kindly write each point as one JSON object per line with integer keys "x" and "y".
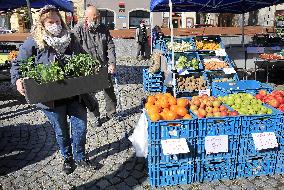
{"x": 139, "y": 138}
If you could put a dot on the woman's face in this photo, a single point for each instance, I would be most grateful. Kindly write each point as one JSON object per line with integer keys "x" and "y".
{"x": 52, "y": 19}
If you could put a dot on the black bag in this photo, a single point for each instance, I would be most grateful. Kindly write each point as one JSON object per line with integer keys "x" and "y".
{"x": 90, "y": 102}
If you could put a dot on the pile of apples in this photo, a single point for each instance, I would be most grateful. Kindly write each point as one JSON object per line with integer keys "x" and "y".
{"x": 208, "y": 106}
{"x": 245, "y": 104}
{"x": 275, "y": 99}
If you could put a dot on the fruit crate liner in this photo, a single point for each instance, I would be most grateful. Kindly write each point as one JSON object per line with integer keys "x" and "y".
{"x": 156, "y": 155}
{"x": 162, "y": 175}
{"x": 215, "y": 169}
{"x": 36, "y": 93}
{"x": 252, "y": 166}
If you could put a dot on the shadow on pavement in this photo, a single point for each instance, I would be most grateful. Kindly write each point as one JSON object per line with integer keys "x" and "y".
{"x": 18, "y": 112}
{"x": 23, "y": 144}
{"x": 130, "y": 74}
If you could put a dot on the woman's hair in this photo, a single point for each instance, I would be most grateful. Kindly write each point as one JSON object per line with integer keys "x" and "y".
{"x": 38, "y": 30}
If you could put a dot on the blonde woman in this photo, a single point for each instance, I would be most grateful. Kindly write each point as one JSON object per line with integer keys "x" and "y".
{"x": 51, "y": 40}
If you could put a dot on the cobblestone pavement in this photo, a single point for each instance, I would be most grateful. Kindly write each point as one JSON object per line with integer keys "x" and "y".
{"x": 29, "y": 158}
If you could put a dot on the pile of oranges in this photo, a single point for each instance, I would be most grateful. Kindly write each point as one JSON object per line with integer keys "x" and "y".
{"x": 166, "y": 107}
{"x": 205, "y": 45}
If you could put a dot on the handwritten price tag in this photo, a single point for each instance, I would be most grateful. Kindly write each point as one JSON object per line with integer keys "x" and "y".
{"x": 204, "y": 92}
{"x": 229, "y": 70}
{"x": 174, "y": 146}
{"x": 221, "y": 52}
{"x": 216, "y": 144}
{"x": 264, "y": 140}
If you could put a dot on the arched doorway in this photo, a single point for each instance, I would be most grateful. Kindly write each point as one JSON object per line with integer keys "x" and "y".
{"x": 107, "y": 18}
{"x": 136, "y": 16}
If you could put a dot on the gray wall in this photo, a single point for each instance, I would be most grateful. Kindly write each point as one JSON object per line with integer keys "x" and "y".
{"x": 130, "y": 5}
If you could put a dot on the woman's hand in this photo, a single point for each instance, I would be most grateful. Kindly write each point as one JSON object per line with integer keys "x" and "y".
{"x": 20, "y": 86}
{"x": 111, "y": 69}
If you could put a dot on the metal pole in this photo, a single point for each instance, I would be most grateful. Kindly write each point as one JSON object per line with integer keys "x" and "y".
{"x": 243, "y": 30}
{"x": 172, "y": 32}
{"x": 29, "y": 11}
{"x": 151, "y": 21}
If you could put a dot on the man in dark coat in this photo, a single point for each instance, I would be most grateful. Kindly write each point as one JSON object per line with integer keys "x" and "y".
{"x": 141, "y": 39}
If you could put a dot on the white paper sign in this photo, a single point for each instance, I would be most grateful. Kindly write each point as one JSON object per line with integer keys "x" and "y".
{"x": 221, "y": 52}
{"x": 204, "y": 92}
{"x": 216, "y": 144}
{"x": 264, "y": 140}
{"x": 229, "y": 70}
{"x": 174, "y": 146}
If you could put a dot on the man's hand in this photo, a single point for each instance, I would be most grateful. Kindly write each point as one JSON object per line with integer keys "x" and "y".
{"x": 20, "y": 86}
{"x": 111, "y": 69}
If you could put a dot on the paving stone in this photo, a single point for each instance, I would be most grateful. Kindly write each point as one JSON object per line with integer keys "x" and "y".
{"x": 123, "y": 186}
{"x": 103, "y": 184}
{"x": 131, "y": 181}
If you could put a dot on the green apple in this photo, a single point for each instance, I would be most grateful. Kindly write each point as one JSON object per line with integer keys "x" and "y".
{"x": 269, "y": 111}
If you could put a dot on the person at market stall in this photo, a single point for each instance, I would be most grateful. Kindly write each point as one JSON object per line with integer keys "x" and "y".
{"x": 96, "y": 40}
{"x": 50, "y": 41}
{"x": 141, "y": 39}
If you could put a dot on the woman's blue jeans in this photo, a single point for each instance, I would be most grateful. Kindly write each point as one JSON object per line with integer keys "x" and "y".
{"x": 75, "y": 140}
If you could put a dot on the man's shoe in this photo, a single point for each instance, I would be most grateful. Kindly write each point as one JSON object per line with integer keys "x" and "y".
{"x": 69, "y": 166}
{"x": 86, "y": 164}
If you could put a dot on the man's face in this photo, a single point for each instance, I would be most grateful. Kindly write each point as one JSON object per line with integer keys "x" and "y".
{"x": 91, "y": 16}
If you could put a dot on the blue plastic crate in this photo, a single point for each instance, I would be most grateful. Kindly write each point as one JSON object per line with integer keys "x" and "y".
{"x": 160, "y": 45}
{"x": 243, "y": 86}
{"x": 256, "y": 165}
{"x": 189, "y": 56}
{"x": 212, "y": 170}
{"x": 279, "y": 168}
{"x": 216, "y": 39}
{"x": 214, "y": 126}
{"x": 162, "y": 175}
{"x": 220, "y": 76}
{"x": 162, "y": 130}
{"x": 180, "y": 40}
{"x": 153, "y": 82}
{"x": 186, "y": 93}
{"x": 262, "y": 123}
{"x": 156, "y": 155}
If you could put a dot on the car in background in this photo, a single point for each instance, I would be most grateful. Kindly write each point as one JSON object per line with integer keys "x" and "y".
{"x": 202, "y": 25}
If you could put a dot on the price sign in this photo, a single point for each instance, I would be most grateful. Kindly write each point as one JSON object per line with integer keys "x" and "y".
{"x": 264, "y": 140}
{"x": 204, "y": 92}
{"x": 174, "y": 146}
{"x": 216, "y": 144}
{"x": 229, "y": 70}
{"x": 221, "y": 52}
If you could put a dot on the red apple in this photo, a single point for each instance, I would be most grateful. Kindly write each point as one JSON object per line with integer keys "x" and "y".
{"x": 262, "y": 92}
{"x": 217, "y": 114}
{"x": 224, "y": 113}
{"x": 259, "y": 97}
{"x": 202, "y": 106}
{"x": 223, "y": 108}
{"x": 281, "y": 107}
{"x": 193, "y": 107}
{"x": 196, "y": 102}
{"x": 215, "y": 109}
{"x": 209, "y": 109}
{"x": 202, "y": 112}
{"x": 234, "y": 113}
{"x": 274, "y": 103}
{"x": 279, "y": 99}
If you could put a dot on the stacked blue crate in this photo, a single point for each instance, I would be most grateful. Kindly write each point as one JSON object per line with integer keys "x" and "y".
{"x": 243, "y": 86}
{"x": 166, "y": 170}
{"x": 153, "y": 82}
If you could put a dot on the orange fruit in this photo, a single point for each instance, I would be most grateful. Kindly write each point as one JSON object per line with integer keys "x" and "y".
{"x": 158, "y": 104}
{"x": 158, "y": 96}
{"x": 181, "y": 111}
{"x": 187, "y": 116}
{"x": 182, "y": 102}
{"x": 151, "y": 99}
{"x": 168, "y": 95}
{"x": 147, "y": 105}
{"x": 166, "y": 110}
{"x": 164, "y": 103}
{"x": 171, "y": 115}
{"x": 153, "y": 109}
{"x": 172, "y": 101}
{"x": 174, "y": 108}
{"x": 155, "y": 117}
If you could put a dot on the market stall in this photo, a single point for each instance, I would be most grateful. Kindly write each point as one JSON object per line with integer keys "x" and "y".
{"x": 212, "y": 126}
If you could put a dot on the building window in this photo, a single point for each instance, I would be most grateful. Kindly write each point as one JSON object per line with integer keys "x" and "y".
{"x": 107, "y": 18}
{"x": 136, "y": 16}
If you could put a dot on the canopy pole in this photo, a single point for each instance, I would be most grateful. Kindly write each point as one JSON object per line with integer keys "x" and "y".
{"x": 243, "y": 30}
{"x": 151, "y": 22}
{"x": 29, "y": 11}
{"x": 172, "y": 32}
